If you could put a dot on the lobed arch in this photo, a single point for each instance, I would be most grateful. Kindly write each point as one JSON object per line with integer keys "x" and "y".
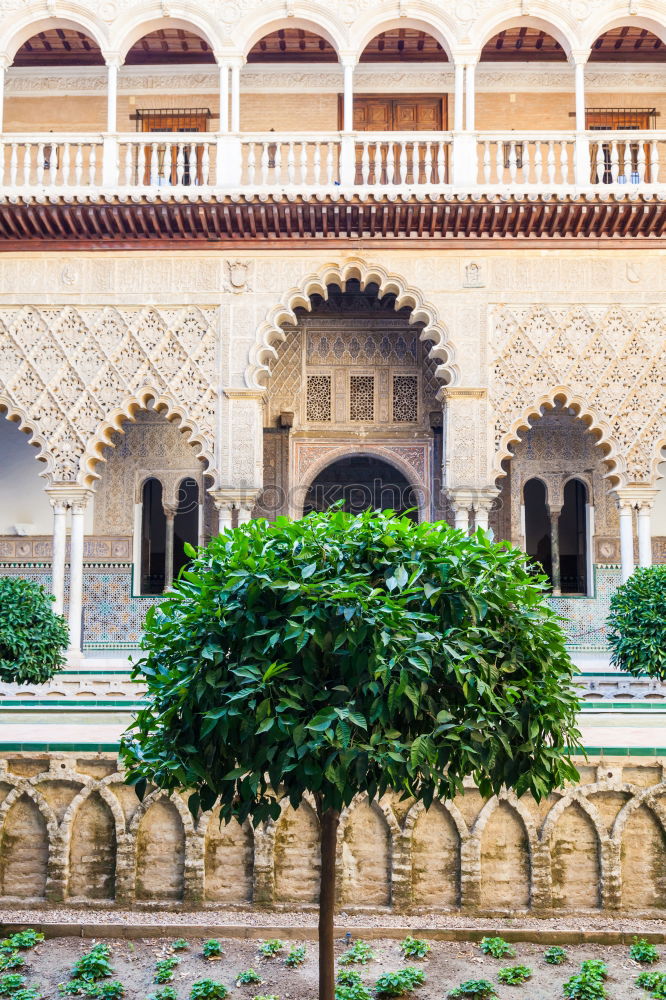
{"x": 599, "y": 428}
{"x": 542, "y": 18}
{"x": 272, "y": 17}
{"x": 163, "y": 403}
{"x": 434, "y": 22}
{"x": 270, "y": 332}
{"x": 10, "y": 411}
{"x": 651, "y": 24}
{"x": 75, "y": 17}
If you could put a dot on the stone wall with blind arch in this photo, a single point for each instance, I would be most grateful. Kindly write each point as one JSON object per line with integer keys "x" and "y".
{"x": 72, "y": 832}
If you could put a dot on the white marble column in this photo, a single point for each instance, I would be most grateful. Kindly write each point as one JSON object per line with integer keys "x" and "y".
{"x": 458, "y": 96}
{"x": 112, "y": 96}
{"x": 348, "y": 98}
{"x": 554, "y": 514}
{"x": 460, "y": 517}
{"x": 137, "y": 534}
{"x": 59, "y": 552}
{"x": 470, "y": 97}
{"x": 245, "y": 512}
{"x": 235, "y": 96}
{"x": 78, "y": 505}
{"x": 3, "y": 72}
{"x": 170, "y": 511}
{"x": 580, "y": 96}
{"x": 626, "y": 539}
{"x": 645, "y": 533}
{"x": 224, "y": 96}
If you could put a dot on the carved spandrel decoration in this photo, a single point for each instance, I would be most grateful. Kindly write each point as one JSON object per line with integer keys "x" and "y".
{"x": 39, "y": 548}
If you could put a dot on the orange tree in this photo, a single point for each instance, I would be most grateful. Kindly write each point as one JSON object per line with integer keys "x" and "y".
{"x": 343, "y": 654}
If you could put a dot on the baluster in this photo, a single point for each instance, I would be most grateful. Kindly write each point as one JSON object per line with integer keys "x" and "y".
{"x": 141, "y": 164}
{"x": 486, "y": 162}
{"x": 251, "y": 163}
{"x": 194, "y": 164}
{"x": 316, "y": 164}
{"x": 27, "y": 163}
{"x": 379, "y": 163}
{"x": 427, "y": 166}
{"x": 205, "y": 163}
{"x": 551, "y": 162}
{"x": 441, "y": 163}
{"x": 513, "y": 162}
{"x": 304, "y": 163}
{"x": 526, "y": 162}
{"x": 330, "y": 164}
{"x": 13, "y": 165}
{"x": 3, "y": 151}
{"x": 128, "y": 164}
{"x": 65, "y": 164}
{"x": 641, "y": 162}
{"x": 53, "y": 165}
{"x": 265, "y": 160}
{"x": 538, "y": 163}
{"x": 654, "y": 162}
{"x": 390, "y": 163}
{"x": 278, "y": 163}
{"x": 169, "y": 173}
{"x": 627, "y": 162}
{"x": 365, "y": 163}
{"x": 564, "y": 162}
{"x": 92, "y": 165}
{"x": 154, "y": 165}
{"x": 291, "y": 164}
{"x": 40, "y": 163}
{"x": 78, "y": 165}
{"x": 499, "y": 161}
{"x": 403, "y": 162}
{"x": 601, "y": 164}
{"x": 180, "y": 163}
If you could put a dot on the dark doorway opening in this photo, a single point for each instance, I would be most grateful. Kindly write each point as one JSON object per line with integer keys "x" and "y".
{"x": 362, "y": 482}
{"x": 573, "y": 539}
{"x": 153, "y": 538}
{"x": 186, "y": 523}
{"x": 537, "y": 526}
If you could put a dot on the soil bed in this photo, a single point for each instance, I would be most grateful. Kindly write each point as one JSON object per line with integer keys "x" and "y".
{"x": 449, "y": 964}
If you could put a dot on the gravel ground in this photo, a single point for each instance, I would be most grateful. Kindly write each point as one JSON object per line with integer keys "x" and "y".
{"x": 448, "y": 965}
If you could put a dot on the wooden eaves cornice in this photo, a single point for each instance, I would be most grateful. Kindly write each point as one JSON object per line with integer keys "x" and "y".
{"x": 109, "y": 223}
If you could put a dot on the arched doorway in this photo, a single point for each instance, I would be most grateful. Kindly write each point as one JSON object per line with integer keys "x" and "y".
{"x": 362, "y": 482}
{"x": 573, "y": 538}
{"x": 537, "y": 526}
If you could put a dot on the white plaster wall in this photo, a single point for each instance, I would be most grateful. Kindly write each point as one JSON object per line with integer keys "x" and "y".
{"x": 22, "y": 497}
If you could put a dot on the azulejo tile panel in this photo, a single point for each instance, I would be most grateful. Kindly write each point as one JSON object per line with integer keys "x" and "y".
{"x": 584, "y": 618}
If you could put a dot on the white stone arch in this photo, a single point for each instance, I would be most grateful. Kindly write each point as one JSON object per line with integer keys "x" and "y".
{"x": 141, "y": 23}
{"x": 372, "y": 451}
{"x": 449, "y": 807}
{"x": 91, "y": 787}
{"x": 542, "y": 17}
{"x": 70, "y": 15}
{"x": 270, "y": 331}
{"x": 621, "y": 20}
{"x": 26, "y": 787}
{"x": 272, "y": 16}
{"x": 164, "y": 403}
{"x": 512, "y": 800}
{"x": 598, "y": 427}
{"x": 579, "y": 796}
{"x": 10, "y": 411}
{"x": 175, "y": 800}
{"x": 433, "y": 21}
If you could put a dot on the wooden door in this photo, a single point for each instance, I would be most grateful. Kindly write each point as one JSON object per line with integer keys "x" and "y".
{"x": 620, "y": 121}
{"x": 404, "y": 113}
{"x": 173, "y": 122}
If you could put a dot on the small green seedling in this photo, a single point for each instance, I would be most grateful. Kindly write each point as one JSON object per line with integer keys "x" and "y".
{"x": 497, "y": 947}
{"x": 94, "y": 964}
{"x": 651, "y": 980}
{"x": 89, "y": 988}
{"x": 13, "y": 960}
{"x": 212, "y": 949}
{"x": 248, "y": 978}
{"x": 109, "y": 991}
{"x": 11, "y": 983}
{"x": 208, "y": 989}
{"x": 269, "y": 949}
{"x": 414, "y": 948}
{"x": 166, "y": 993}
{"x": 514, "y": 975}
{"x": 180, "y": 944}
{"x": 271, "y": 996}
{"x": 360, "y": 953}
{"x": 477, "y": 989}
{"x": 357, "y": 991}
{"x": 585, "y": 985}
{"x": 555, "y": 955}
{"x": 349, "y": 977}
{"x": 641, "y": 951}
{"x": 594, "y": 967}
{"x": 295, "y": 957}
{"x": 24, "y": 939}
{"x": 400, "y": 983}
{"x": 29, "y": 993}
{"x": 165, "y": 969}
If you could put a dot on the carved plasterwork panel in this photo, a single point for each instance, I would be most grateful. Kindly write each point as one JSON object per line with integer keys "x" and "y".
{"x": 606, "y": 361}
{"x": 70, "y": 368}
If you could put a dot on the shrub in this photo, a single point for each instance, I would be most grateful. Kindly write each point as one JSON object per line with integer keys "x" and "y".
{"x": 479, "y": 989}
{"x": 212, "y": 948}
{"x": 594, "y": 967}
{"x": 165, "y": 969}
{"x": 398, "y": 984}
{"x": 180, "y": 944}
{"x": 497, "y": 947}
{"x": 651, "y": 980}
{"x": 94, "y": 964}
{"x": 360, "y": 953}
{"x": 555, "y": 955}
{"x": 208, "y": 989}
{"x": 33, "y": 639}
{"x": 641, "y": 951}
{"x": 248, "y": 977}
{"x": 269, "y": 949}
{"x": 295, "y": 957}
{"x": 585, "y": 986}
{"x": 166, "y": 993}
{"x": 637, "y": 625}
{"x": 514, "y": 975}
{"x": 414, "y": 948}
{"x": 11, "y": 983}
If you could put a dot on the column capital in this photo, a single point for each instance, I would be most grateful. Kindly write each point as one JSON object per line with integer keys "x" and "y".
{"x": 69, "y": 494}
{"x": 170, "y": 510}
{"x": 554, "y": 510}
{"x": 579, "y": 57}
{"x": 635, "y": 497}
{"x": 348, "y": 60}
{"x": 234, "y": 499}
{"x": 485, "y": 499}
{"x": 113, "y": 60}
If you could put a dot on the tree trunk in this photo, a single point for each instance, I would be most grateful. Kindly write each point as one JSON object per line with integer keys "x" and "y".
{"x": 329, "y": 821}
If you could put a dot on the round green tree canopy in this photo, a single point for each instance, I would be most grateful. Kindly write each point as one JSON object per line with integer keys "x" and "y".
{"x": 637, "y": 623}
{"x": 33, "y": 639}
{"x": 341, "y": 654}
